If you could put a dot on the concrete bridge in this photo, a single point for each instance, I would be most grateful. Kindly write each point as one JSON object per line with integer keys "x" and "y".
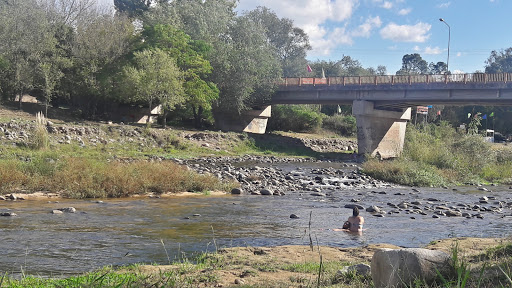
{"x": 382, "y": 104}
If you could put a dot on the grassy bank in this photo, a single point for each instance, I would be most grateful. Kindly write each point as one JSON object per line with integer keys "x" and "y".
{"x": 91, "y": 159}
{"x": 476, "y": 263}
{"x": 437, "y": 155}
{"x": 77, "y": 177}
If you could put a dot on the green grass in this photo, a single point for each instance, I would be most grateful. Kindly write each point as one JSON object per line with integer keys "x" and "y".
{"x": 437, "y": 155}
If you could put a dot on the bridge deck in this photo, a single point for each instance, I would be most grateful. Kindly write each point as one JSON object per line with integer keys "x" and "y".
{"x": 398, "y": 91}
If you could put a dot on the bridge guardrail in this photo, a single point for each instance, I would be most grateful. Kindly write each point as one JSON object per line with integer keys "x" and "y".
{"x": 398, "y": 79}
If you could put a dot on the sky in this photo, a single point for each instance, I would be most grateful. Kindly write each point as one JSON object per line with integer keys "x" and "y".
{"x": 381, "y": 32}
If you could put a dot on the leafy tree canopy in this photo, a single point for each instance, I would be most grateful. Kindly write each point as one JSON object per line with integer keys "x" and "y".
{"x": 290, "y": 43}
{"x": 132, "y": 8}
{"x": 499, "y": 62}
{"x": 189, "y": 56}
{"x": 413, "y": 64}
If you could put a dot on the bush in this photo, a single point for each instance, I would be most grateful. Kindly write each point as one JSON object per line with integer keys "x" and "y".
{"x": 296, "y": 118}
{"x": 436, "y": 155}
{"x": 340, "y": 124}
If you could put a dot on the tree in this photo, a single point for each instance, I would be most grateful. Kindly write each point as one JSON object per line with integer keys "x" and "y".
{"x": 290, "y": 43}
{"x": 155, "y": 78}
{"x": 51, "y": 74}
{"x": 437, "y": 68}
{"x": 474, "y": 123}
{"x": 246, "y": 68}
{"x": 413, "y": 64}
{"x": 499, "y": 62}
{"x": 201, "y": 19}
{"x": 344, "y": 67}
{"x": 98, "y": 48}
{"x": 189, "y": 55}
{"x": 132, "y": 8}
{"x": 25, "y": 36}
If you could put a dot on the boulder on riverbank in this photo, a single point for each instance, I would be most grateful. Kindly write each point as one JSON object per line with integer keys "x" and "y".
{"x": 402, "y": 267}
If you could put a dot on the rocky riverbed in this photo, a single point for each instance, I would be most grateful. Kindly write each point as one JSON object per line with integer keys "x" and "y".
{"x": 260, "y": 175}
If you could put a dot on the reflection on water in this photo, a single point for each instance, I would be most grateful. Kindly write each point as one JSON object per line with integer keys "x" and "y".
{"x": 118, "y": 232}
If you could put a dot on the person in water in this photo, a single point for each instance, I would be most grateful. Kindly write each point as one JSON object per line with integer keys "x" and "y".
{"x": 354, "y": 222}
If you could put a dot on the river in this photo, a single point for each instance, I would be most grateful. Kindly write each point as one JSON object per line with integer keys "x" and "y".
{"x": 159, "y": 230}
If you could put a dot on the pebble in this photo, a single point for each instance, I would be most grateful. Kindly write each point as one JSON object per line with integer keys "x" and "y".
{"x": 318, "y": 194}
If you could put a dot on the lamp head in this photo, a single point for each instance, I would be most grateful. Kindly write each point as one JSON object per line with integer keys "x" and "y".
{"x": 441, "y": 19}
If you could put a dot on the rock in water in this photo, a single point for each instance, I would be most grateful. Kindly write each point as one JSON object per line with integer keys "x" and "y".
{"x": 265, "y": 192}
{"x": 402, "y": 267}
{"x": 68, "y": 210}
{"x": 236, "y": 191}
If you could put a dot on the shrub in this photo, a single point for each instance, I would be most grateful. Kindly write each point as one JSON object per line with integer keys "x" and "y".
{"x": 436, "y": 155}
{"x": 340, "y": 124}
{"x": 296, "y": 118}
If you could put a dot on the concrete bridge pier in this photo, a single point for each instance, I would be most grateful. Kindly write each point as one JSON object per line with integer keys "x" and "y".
{"x": 253, "y": 121}
{"x": 380, "y": 132}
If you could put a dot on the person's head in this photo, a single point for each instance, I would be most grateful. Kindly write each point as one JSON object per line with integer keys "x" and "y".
{"x": 355, "y": 211}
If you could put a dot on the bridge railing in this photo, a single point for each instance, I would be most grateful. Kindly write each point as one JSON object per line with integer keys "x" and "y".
{"x": 399, "y": 79}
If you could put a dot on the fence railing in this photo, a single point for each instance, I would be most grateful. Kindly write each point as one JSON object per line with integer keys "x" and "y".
{"x": 398, "y": 79}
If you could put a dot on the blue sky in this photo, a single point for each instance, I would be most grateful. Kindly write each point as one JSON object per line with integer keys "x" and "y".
{"x": 380, "y": 32}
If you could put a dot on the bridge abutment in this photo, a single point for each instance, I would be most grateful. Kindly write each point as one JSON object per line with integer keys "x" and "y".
{"x": 253, "y": 121}
{"x": 380, "y": 132}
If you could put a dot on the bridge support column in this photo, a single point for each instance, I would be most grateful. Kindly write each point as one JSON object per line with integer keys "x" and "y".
{"x": 380, "y": 132}
{"x": 253, "y": 121}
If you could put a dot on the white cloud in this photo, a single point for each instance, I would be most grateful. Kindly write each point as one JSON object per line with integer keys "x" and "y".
{"x": 311, "y": 16}
{"x": 341, "y": 36}
{"x": 306, "y": 12}
{"x": 365, "y": 29}
{"x": 406, "y": 33}
{"x": 458, "y": 54}
{"x": 387, "y": 5}
{"x": 444, "y": 5}
{"x": 404, "y": 11}
{"x": 342, "y": 9}
{"x": 416, "y": 48}
{"x": 433, "y": 50}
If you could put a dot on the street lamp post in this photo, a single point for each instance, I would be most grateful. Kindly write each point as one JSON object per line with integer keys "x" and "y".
{"x": 449, "y": 32}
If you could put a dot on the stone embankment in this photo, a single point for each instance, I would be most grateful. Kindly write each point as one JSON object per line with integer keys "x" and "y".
{"x": 19, "y": 132}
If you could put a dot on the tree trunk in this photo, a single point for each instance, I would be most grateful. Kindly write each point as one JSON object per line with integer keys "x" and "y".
{"x": 198, "y": 117}
{"x": 148, "y": 120}
{"x": 20, "y": 97}
{"x": 164, "y": 124}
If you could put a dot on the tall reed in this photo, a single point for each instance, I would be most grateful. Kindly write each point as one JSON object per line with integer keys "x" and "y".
{"x": 40, "y": 139}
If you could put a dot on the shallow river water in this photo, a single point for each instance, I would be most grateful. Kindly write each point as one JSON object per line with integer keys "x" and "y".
{"x": 149, "y": 230}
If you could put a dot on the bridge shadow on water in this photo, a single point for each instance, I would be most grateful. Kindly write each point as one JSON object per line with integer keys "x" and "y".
{"x": 290, "y": 146}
